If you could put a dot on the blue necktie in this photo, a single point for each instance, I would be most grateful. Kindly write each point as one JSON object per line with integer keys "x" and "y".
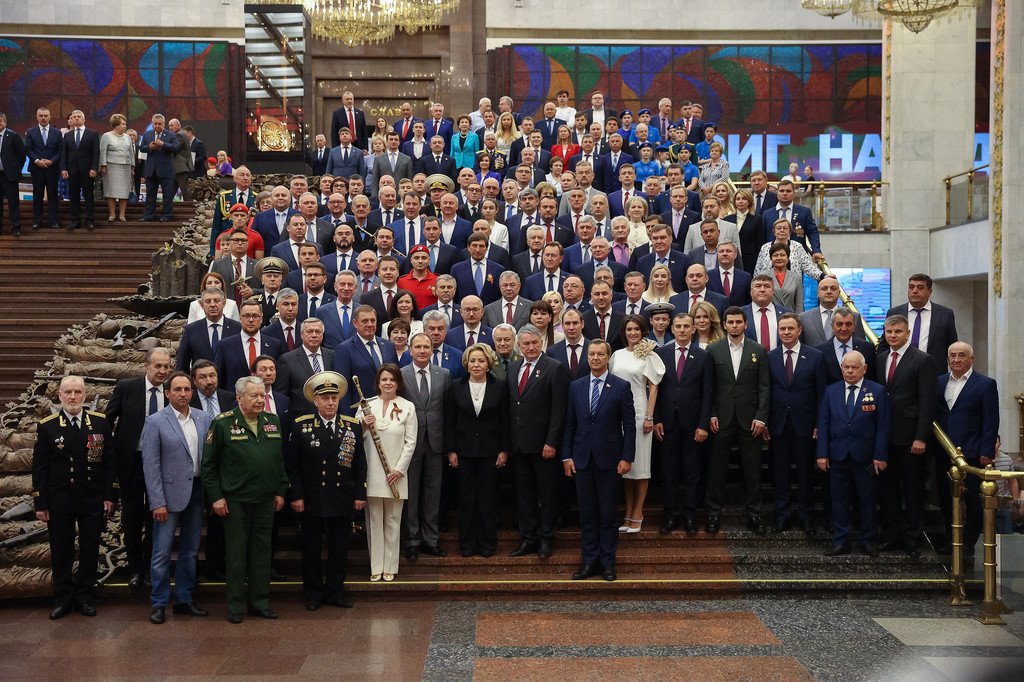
{"x": 479, "y": 278}
{"x": 757, "y": 208}
{"x": 433, "y": 257}
{"x": 372, "y": 347}
{"x": 312, "y": 307}
{"x": 215, "y": 339}
{"x": 344, "y": 319}
{"x": 316, "y": 363}
{"x": 152, "y": 400}
{"x": 343, "y": 265}
{"x": 851, "y": 402}
{"x": 595, "y": 394}
{"x": 78, "y": 136}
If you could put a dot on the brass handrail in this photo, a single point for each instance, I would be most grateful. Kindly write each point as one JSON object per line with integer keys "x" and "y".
{"x": 991, "y": 606}
{"x": 948, "y": 180}
{"x": 820, "y": 186}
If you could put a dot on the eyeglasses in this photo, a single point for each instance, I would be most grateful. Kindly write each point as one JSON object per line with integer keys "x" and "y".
{"x": 251, "y": 316}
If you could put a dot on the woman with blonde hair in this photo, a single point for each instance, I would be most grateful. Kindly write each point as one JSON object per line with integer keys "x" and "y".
{"x": 117, "y": 166}
{"x": 507, "y": 133}
{"x": 636, "y": 213}
{"x": 554, "y": 299}
{"x": 659, "y": 290}
{"x": 749, "y": 225}
{"x": 723, "y": 192}
{"x": 706, "y": 323}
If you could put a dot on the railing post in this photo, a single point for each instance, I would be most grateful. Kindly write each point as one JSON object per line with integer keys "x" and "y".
{"x": 957, "y": 594}
{"x": 970, "y": 194}
{"x": 991, "y": 606}
{"x": 875, "y": 227}
{"x": 949, "y": 185}
{"x": 821, "y": 203}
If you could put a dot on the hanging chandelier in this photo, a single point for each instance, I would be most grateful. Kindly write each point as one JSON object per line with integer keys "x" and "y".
{"x": 352, "y": 22}
{"x": 419, "y": 15}
{"x": 828, "y": 8}
{"x": 915, "y": 15}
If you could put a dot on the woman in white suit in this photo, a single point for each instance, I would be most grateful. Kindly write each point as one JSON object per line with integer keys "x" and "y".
{"x": 395, "y": 418}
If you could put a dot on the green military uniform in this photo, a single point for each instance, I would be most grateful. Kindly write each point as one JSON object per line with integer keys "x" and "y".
{"x": 72, "y": 476}
{"x": 500, "y": 370}
{"x": 247, "y": 470}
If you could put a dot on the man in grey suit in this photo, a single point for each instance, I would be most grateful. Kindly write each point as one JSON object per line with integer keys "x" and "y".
{"x": 172, "y": 450}
{"x": 511, "y": 308}
{"x": 817, "y": 322}
{"x": 318, "y": 230}
{"x": 183, "y": 163}
{"x": 392, "y": 162}
{"x": 236, "y": 264}
{"x": 426, "y": 386}
{"x": 294, "y": 367}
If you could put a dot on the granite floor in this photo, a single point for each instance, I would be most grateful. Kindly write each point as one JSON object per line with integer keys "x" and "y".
{"x": 895, "y": 638}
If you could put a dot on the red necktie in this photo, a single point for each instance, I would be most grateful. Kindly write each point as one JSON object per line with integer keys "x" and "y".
{"x": 601, "y": 318}
{"x": 726, "y": 287}
{"x": 405, "y": 129}
{"x": 366, "y": 285}
{"x": 789, "y": 366}
{"x": 508, "y": 313}
{"x": 695, "y": 297}
{"x": 266, "y": 401}
{"x": 522, "y": 381}
{"x": 351, "y": 123}
{"x": 391, "y": 298}
{"x": 289, "y": 338}
{"x": 687, "y": 126}
{"x": 892, "y": 367}
{"x": 252, "y": 351}
{"x": 765, "y": 341}
{"x": 625, "y": 199}
{"x": 471, "y": 339}
{"x": 437, "y": 127}
{"x": 574, "y": 362}
{"x": 680, "y": 364}
{"x": 576, "y": 224}
{"x": 549, "y": 239}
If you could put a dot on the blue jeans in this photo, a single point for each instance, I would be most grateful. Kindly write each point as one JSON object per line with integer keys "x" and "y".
{"x": 191, "y": 520}
{"x": 1004, "y": 525}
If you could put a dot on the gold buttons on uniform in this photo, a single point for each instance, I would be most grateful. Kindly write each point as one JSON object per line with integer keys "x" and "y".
{"x": 338, "y": 484}
{"x": 323, "y": 484}
{"x": 323, "y": 473}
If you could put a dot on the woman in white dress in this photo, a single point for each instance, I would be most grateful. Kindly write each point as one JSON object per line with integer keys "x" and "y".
{"x": 395, "y": 418}
{"x": 636, "y": 213}
{"x": 195, "y": 309}
{"x": 638, "y": 364}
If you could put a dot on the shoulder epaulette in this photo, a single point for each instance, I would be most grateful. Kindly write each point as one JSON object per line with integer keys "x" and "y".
{"x": 304, "y": 418}
{"x": 223, "y": 414}
{"x": 50, "y": 418}
{"x": 96, "y": 414}
{"x": 345, "y": 417}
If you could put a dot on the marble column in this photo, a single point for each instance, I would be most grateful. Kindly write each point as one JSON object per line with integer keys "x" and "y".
{"x": 1006, "y": 278}
{"x": 928, "y": 133}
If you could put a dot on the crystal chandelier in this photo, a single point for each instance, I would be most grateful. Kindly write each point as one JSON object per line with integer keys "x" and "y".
{"x": 828, "y": 8}
{"x": 352, "y": 22}
{"x": 416, "y": 15}
{"x": 915, "y": 14}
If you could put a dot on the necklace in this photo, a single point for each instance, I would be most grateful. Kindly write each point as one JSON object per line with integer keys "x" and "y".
{"x": 477, "y": 394}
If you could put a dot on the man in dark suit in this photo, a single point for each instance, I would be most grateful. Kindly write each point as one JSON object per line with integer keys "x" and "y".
{"x": 739, "y": 417}
{"x": 598, "y": 110}
{"x": 728, "y": 275}
{"x": 331, "y": 443}
{"x": 932, "y": 326}
{"x": 363, "y": 354}
{"x": 426, "y": 387}
{"x": 73, "y": 437}
{"x": 80, "y": 166}
{"x": 968, "y": 411}
{"x": 318, "y": 156}
{"x": 844, "y": 322}
{"x": 207, "y": 397}
{"x": 817, "y": 322}
{"x": 437, "y": 124}
{"x": 538, "y": 387}
{"x": 682, "y": 418}
{"x": 160, "y": 146}
{"x": 531, "y": 261}
{"x": 572, "y": 352}
{"x": 472, "y": 330}
{"x": 43, "y": 144}
{"x": 346, "y": 158}
{"x": 436, "y": 161}
{"x": 337, "y": 315}
{"x": 183, "y": 162}
{"x": 198, "y": 149}
{"x": 549, "y": 125}
{"x": 403, "y": 126}
{"x": 601, "y": 321}
{"x": 600, "y": 252}
{"x": 598, "y": 448}
{"x": 132, "y": 401}
{"x": 853, "y": 434}
{"x": 478, "y": 275}
{"x": 241, "y": 194}
{"x": 697, "y": 290}
{"x": 615, "y": 158}
{"x": 798, "y": 382}
{"x": 236, "y": 354}
{"x": 349, "y": 117}
{"x": 691, "y": 123}
{"x": 12, "y": 158}
{"x": 199, "y": 340}
{"x": 763, "y": 313}
{"x": 799, "y": 217}
{"x": 910, "y": 379}
{"x": 663, "y": 253}
{"x": 296, "y": 367}
{"x": 764, "y": 198}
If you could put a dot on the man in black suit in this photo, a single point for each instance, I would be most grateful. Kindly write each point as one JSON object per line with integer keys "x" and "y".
{"x": 353, "y": 119}
{"x": 598, "y": 111}
{"x": 318, "y": 156}
{"x": 12, "y": 158}
{"x": 198, "y": 149}
{"x": 199, "y": 340}
{"x": 764, "y": 198}
{"x": 601, "y": 321}
{"x": 932, "y": 326}
{"x": 682, "y": 419}
{"x": 295, "y": 367}
{"x": 43, "y": 144}
{"x": 436, "y": 161}
{"x": 572, "y": 352}
{"x": 844, "y": 322}
{"x": 132, "y": 401}
{"x": 911, "y": 380}
{"x": 538, "y": 387}
{"x": 739, "y": 417}
{"x": 80, "y": 166}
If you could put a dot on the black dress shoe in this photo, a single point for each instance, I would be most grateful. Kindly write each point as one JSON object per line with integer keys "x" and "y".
{"x": 689, "y": 525}
{"x": 889, "y": 545}
{"x": 671, "y": 523}
{"x": 609, "y": 573}
{"x": 60, "y": 611}
{"x": 340, "y": 602}
{"x": 312, "y": 605}
{"x": 755, "y": 524}
{"x": 712, "y": 525}
{"x": 486, "y": 553}
{"x": 781, "y": 525}
{"x": 89, "y": 226}
{"x": 165, "y": 219}
{"x": 16, "y": 232}
{"x": 526, "y": 548}
{"x": 158, "y": 616}
{"x": 144, "y": 219}
{"x": 36, "y": 226}
{"x": 412, "y": 554}
{"x": 87, "y": 610}
{"x": 836, "y": 550}
{"x": 807, "y": 526}
{"x": 234, "y": 618}
{"x": 868, "y": 549}
{"x": 264, "y": 613}
{"x": 276, "y": 574}
{"x": 586, "y": 571}
{"x": 190, "y": 609}
{"x": 545, "y": 550}
{"x": 135, "y": 581}
{"x": 466, "y": 553}
{"x": 432, "y": 550}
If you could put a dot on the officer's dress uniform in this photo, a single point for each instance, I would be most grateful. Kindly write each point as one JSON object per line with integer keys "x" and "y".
{"x": 327, "y": 469}
{"x": 72, "y": 475}
{"x": 247, "y": 470}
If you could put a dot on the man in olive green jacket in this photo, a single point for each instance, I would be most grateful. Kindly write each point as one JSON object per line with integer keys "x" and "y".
{"x": 244, "y": 476}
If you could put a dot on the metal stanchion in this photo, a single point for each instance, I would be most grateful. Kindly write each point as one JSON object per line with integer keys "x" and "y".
{"x": 991, "y": 606}
{"x": 957, "y": 594}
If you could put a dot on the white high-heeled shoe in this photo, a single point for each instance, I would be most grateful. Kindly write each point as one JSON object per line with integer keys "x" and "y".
{"x": 375, "y": 578}
{"x": 625, "y": 528}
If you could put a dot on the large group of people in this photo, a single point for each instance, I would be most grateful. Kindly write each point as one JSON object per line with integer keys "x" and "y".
{"x": 404, "y": 332}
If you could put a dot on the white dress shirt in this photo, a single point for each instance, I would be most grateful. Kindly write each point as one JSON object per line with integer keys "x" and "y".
{"x": 736, "y": 353}
{"x": 954, "y": 386}
{"x": 188, "y": 427}
{"x": 896, "y": 351}
{"x": 773, "y": 324}
{"x": 796, "y": 354}
{"x": 926, "y": 321}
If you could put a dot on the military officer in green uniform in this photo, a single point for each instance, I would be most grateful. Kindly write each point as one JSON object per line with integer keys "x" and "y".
{"x": 73, "y": 483}
{"x": 243, "y": 473}
{"x": 327, "y": 470}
